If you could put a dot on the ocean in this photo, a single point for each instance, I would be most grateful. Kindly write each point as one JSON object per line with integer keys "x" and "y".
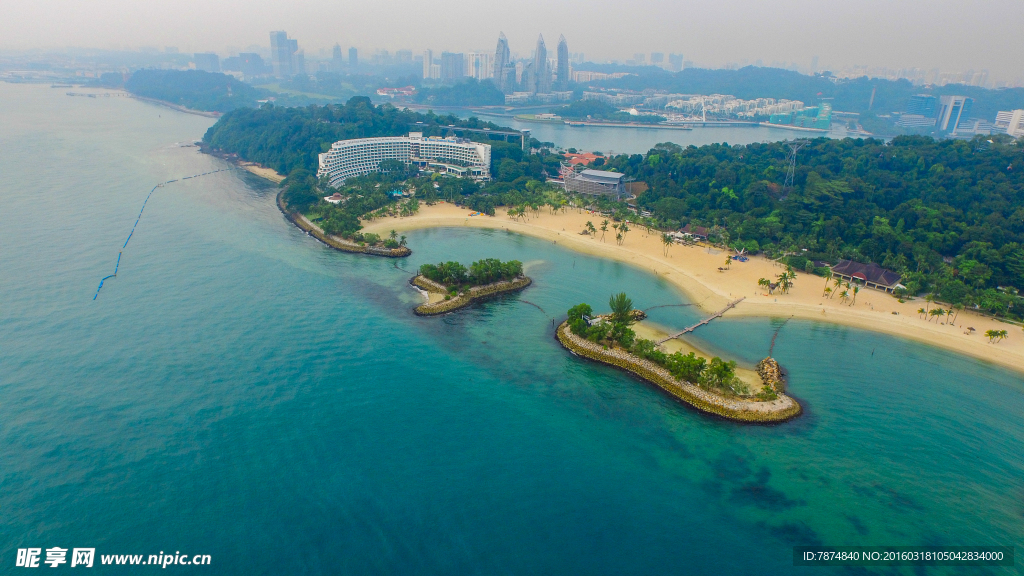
{"x": 241, "y": 391}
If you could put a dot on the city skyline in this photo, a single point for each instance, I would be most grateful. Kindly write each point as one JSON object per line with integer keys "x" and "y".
{"x": 872, "y": 34}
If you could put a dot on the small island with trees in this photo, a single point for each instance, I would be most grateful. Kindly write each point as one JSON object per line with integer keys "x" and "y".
{"x": 450, "y": 285}
{"x": 709, "y": 385}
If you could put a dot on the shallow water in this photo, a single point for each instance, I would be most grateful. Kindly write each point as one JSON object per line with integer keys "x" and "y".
{"x": 242, "y": 391}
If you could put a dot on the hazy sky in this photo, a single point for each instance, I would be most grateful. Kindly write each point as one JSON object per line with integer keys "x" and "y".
{"x": 945, "y": 34}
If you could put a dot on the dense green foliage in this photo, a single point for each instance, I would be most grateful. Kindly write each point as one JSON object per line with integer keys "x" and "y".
{"x": 848, "y": 95}
{"x": 469, "y": 92}
{"x": 195, "y": 89}
{"x": 613, "y": 330}
{"x": 289, "y": 138}
{"x": 598, "y": 110}
{"x": 366, "y": 197}
{"x": 487, "y": 271}
{"x": 948, "y": 215}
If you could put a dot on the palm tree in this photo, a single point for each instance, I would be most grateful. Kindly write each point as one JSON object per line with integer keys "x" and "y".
{"x": 855, "y": 290}
{"x": 836, "y": 283}
{"x": 958, "y": 308}
{"x": 622, "y": 308}
{"x": 401, "y": 241}
{"x": 936, "y": 312}
{"x": 843, "y": 296}
{"x": 623, "y": 228}
{"x": 394, "y": 235}
{"x": 618, "y": 238}
{"x": 828, "y": 276}
{"x": 921, "y": 312}
{"x": 604, "y": 228}
{"x": 764, "y": 283}
{"x": 828, "y": 292}
{"x": 928, "y": 300}
{"x": 1000, "y": 334}
{"x": 991, "y": 334}
{"x": 728, "y": 262}
{"x": 666, "y": 242}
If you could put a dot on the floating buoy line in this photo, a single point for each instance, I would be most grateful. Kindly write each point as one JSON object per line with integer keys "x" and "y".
{"x": 121, "y": 251}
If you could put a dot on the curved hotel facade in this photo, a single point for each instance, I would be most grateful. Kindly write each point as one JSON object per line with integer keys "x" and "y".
{"x": 455, "y": 156}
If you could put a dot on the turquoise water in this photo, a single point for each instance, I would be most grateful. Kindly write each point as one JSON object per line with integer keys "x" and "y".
{"x": 239, "y": 390}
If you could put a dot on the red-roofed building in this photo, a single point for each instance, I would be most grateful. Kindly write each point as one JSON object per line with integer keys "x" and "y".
{"x": 580, "y": 158}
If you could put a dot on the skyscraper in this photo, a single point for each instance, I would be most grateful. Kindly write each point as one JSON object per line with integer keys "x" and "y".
{"x": 282, "y": 50}
{"x": 336, "y": 58}
{"x": 562, "y": 74}
{"x": 428, "y": 60}
{"x": 922, "y": 105}
{"x": 675, "y": 62}
{"x": 353, "y": 58}
{"x": 453, "y": 66}
{"x": 503, "y": 78}
{"x": 207, "y": 61}
{"x": 541, "y": 71}
{"x": 951, "y": 110}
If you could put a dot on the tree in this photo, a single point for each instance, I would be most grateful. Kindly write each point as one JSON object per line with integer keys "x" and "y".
{"x": 855, "y": 290}
{"x": 623, "y": 228}
{"x": 935, "y": 313}
{"x": 828, "y": 276}
{"x": 843, "y": 296}
{"x": 393, "y": 235}
{"x": 666, "y": 242}
{"x": 921, "y": 312}
{"x": 622, "y": 308}
{"x": 402, "y": 242}
{"x": 604, "y": 228}
{"x": 728, "y": 262}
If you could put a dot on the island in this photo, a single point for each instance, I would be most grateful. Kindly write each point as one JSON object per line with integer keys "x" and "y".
{"x": 449, "y": 286}
{"x": 709, "y": 385}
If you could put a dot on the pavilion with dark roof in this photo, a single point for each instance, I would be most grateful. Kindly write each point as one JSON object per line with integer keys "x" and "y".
{"x": 872, "y": 275}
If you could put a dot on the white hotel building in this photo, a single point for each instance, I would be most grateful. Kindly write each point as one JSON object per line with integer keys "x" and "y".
{"x": 455, "y": 156}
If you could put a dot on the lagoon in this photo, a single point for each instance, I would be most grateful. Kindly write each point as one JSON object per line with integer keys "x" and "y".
{"x": 243, "y": 391}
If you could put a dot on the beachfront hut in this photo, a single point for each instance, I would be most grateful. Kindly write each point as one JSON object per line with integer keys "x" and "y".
{"x": 871, "y": 275}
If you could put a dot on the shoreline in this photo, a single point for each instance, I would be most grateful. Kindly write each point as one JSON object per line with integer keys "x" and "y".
{"x": 694, "y": 271}
{"x": 474, "y": 294}
{"x": 313, "y": 230}
{"x": 174, "y": 106}
{"x": 776, "y": 411}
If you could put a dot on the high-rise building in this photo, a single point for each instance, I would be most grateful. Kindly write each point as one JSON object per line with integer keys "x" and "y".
{"x": 478, "y": 65}
{"x": 336, "y": 58}
{"x": 562, "y": 73}
{"x": 503, "y": 68}
{"x": 541, "y": 69}
{"x": 428, "y": 61}
{"x": 657, "y": 58}
{"x": 282, "y": 52}
{"x": 453, "y": 66}
{"x": 1011, "y": 122}
{"x": 206, "y": 61}
{"x": 951, "y": 110}
{"x": 675, "y": 62}
{"x": 353, "y": 58}
{"x": 922, "y": 105}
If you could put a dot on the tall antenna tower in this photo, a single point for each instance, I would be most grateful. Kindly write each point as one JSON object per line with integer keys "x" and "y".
{"x": 794, "y": 147}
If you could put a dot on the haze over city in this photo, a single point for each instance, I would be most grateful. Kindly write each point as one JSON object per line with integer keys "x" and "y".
{"x": 939, "y": 34}
{"x": 512, "y": 287}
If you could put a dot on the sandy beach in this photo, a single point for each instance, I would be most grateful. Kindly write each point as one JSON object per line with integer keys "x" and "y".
{"x": 694, "y": 270}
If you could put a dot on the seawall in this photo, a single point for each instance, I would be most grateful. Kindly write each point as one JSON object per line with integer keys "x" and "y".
{"x": 751, "y": 411}
{"x": 335, "y": 242}
{"x": 466, "y": 298}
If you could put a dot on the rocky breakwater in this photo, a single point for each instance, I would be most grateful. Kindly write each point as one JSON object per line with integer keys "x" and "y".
{"x": 464, "y": 298}
{"x": 337, "y": 242}
{"x": 741, "y": 409}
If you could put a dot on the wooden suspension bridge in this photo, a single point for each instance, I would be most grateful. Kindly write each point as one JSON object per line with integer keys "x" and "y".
{"x": 707, "y": 320}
